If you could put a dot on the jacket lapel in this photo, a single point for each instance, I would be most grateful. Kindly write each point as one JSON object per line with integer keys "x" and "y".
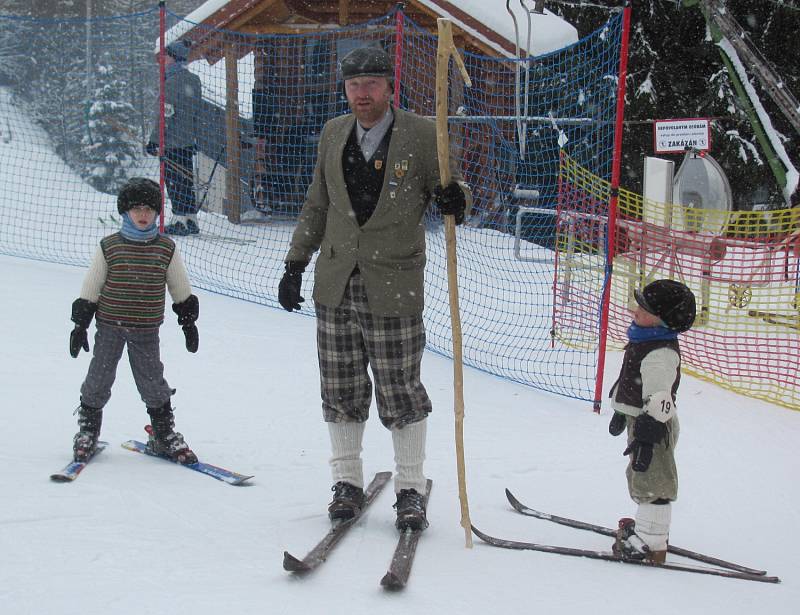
{"x": 337, "y": 188}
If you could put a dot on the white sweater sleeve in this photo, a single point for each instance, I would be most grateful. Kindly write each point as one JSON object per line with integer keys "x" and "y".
{"x": 658, "y": 371}
{"x": 177, "y": 279}
{"x": 95, "y": 277}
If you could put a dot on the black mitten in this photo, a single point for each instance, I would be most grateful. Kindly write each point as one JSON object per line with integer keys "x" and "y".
{"x": 151, "y": 148}
{"x": 187, "y": 310}
{"x": 192, "y": 337}
{"x": 617, "y": 423}
{"x": 82, "y": 313}
{"x": 451, "y": 201}
{"x": 77, "y": 340}
{"x": 641, "y": 455}
{"x": 647, "y": 431}
{"x": 289, "y": 287}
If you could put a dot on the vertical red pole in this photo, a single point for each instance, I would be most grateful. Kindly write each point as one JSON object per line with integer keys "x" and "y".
{"x": 398, "y": 53}
{"x": 162, "y": 15}
{"x": 560, "y": 205}
{"x": 612, "y": 207}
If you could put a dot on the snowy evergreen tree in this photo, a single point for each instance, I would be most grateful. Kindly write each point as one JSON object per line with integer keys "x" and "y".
{"x": 13, "y": 62}
{"x": 109, "y": 145}
{"x": 675, "y": 70}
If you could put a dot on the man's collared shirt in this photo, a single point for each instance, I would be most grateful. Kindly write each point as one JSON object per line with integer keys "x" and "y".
{"x": 370, "y": 139}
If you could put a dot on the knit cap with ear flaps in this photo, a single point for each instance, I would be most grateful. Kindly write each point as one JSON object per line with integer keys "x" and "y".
{"x": 139, "y": 191}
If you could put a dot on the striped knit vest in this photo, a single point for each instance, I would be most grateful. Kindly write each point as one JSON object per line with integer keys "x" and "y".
{"x": 134, "y": 291}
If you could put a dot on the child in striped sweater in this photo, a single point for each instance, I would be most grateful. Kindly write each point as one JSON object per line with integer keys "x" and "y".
{"x": 124, "y": 290}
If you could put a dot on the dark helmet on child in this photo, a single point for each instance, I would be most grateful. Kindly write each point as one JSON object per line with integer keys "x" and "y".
{"x": 673, "y": 302}
{"x": 367, "y": 61}
{"x": 139, "y": 191}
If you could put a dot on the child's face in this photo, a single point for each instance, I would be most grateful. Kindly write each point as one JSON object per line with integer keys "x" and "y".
{"x": 643, "y": 318}
{"x": 142, "y": 216}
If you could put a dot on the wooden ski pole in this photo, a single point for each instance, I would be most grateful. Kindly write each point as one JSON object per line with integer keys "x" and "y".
{"x": 445, "y": 49}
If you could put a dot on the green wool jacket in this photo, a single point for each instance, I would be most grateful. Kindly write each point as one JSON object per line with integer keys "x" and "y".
{"x": 389, "y": 249}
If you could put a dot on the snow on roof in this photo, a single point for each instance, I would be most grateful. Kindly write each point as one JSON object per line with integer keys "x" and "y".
{"x": 199, "y": 15}
{"x": 548, "y": 32}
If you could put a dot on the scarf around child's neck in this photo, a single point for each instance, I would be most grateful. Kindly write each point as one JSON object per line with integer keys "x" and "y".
{"x": 130, "y": 231}
{"x": 638, "y": 334}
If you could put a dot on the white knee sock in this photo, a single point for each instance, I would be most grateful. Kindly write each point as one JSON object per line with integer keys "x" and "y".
{"x": 346, "y": 452}
{"x": 409, "y": 455}
{"x": 652, "y": 525}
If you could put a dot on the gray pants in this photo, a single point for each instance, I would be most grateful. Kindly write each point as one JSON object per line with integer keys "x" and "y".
{"x": 144, "y": 353}
{"x": 660, "y": 481}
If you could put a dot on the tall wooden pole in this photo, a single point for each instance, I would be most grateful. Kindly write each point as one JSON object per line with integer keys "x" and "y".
{"x": 446, "y": 48}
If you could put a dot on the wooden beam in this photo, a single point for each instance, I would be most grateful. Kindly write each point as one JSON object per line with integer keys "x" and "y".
{"x": 257, "y": 10}
{"x": 299, "y": 28}
{"x": 344, "y": 12}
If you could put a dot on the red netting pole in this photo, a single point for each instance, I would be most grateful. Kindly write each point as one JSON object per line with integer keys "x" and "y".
{"x": 162, "y": 16}
{"x": 612, "y": 207}
{"x": 559, "y": 208}
{"x": 398, "y": 53}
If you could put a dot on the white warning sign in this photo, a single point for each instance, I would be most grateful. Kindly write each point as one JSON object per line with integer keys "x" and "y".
{"x": 675, "y": 136}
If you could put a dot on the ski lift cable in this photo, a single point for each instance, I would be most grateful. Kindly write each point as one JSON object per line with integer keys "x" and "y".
{"x": 517, "y": 108}
{"x": 528, "y": 54}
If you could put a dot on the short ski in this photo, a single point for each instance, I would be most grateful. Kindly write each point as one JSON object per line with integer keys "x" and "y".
{"x": 226, "y": 476}
{"x": 320, "y": 553}
{"x": 400, "y": 567}
{"x": 72, "y": 469}
{"x": 607, "y": 531}
{"x": 613, "y": 557}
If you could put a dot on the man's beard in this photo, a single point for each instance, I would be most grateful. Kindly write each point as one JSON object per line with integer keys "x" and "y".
{"x": 369, "y": 114}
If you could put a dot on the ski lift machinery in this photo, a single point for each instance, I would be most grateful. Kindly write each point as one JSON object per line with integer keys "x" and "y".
{"x": 521, "y": 109}
{"x": 683, "y": 220}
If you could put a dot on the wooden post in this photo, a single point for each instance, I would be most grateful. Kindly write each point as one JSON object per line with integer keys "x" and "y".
{"x": 445, "y": 49}
{"x": 233, "y": 148}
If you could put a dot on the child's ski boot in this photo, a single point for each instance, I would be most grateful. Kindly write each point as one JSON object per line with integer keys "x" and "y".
{"x": 164, "y": 440}
{"x": 84, "y": 444}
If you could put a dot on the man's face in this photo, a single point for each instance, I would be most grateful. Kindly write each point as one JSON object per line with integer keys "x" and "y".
{"x": 369, "y": 98}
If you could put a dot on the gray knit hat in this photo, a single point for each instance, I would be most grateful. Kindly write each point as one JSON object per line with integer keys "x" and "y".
{"x": 367, "y": 61}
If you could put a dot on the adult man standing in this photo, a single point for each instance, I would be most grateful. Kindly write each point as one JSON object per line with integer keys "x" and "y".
{"x": 182, "y": 100}
{"x": 375, "y": 174}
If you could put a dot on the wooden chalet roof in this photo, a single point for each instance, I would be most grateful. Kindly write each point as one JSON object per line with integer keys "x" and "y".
{"x": 289, "y": 16}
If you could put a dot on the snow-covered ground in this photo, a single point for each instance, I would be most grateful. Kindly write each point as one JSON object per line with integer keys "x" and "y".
{"x": 136, "y": 535}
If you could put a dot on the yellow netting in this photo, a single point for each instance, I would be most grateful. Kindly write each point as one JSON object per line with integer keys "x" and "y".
{"x": 742, "y": 267}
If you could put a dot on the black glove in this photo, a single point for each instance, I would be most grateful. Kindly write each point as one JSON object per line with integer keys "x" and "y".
{"x": 289, "y": 287}
{"x": 151, "y": 148}
{"x": 187, "y": 312}
{"x": 647, "y": 431}
{"x": 451, "y": 201}
{"x": 192, "y": 337}
{"x": 77, "y": 340}
{"x": 82, "y": 313}
{"x": 617, "y": 424}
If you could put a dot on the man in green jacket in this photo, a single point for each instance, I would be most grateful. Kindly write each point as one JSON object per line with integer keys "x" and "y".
{"x": 376, "y": 173}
